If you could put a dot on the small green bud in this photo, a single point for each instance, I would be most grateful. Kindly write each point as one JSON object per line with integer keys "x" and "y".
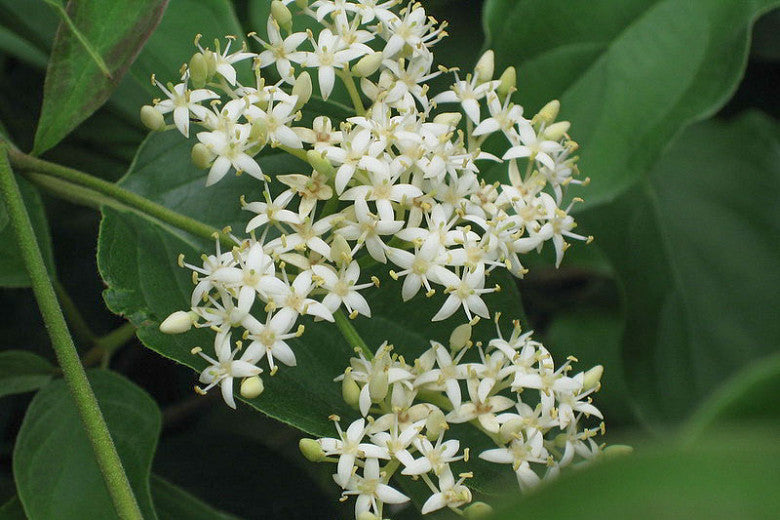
{"x": 378, "y": 385}
{"x": 252, "y": 387}
{"x": 435, "y": 424}
{"x": 592, "y": 377}
{"x": 460, "y": 337}
{"x": 483, "y": 71}
{"x": 367, "y": 65}
{"x": 507, "y": 83}
{"x": 508, "y": 430}
{"x": 340, "y": 251}
{"x": 448, "y": 118}
{"x": 259, "y": 131}
{"x": 549, "y": 112}
{"x": 177, "y": 323}
{"x": 617, "y": 450}
{"x": 477, "y": 511}
{"x": 199, "y": 70}
{"x": 556, "y": 131}
{"x": 152, "y": 118}
{"x": 201, "y": 156}
{"x": 350, "y": 391}
{"x": 311, "y": 449}
{"x": 282, "y": 15}
{"x": 320, "y": 163}
{"x": 302, "y": 4}
{"x": 302, "y": 88}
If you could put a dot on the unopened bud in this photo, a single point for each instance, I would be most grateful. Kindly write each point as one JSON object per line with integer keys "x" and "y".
{"x": 340, "y": 251}
{"x": 252, "y": 387}
{"x": 201, "y": 156}
{"x": 259, "y": 131}
{"x": 549, "y": 112}
{"x": 477, "y": 511}
{"x": 303, "y": 4}
{"x": 507, "y": 83}
{"x": 592, "y": 377}
{"x": 367, "y": 515}
{"x": 350, "y": 391}
{"x": 320, "y": 163}
{"x": 282, "y": 15}
{"x": 378, "y": 385}
{"x": 483, "y": 71}
{"x": 448, "y": 118}
{"x": 617, "y": 450}
{"x": 152, "y": 118}
{"x": 460, "y": 337}
{"x": 199, "y": 70}
{"x": 367, "y": 65}
{"x": 508, "y": 430}
{"x": 302, "y": 88}
{"x": 556, "y": 131}
{"x": 176, "y": 323}
{"x": 435, "y": 424}
{"x": 311, "y": 449}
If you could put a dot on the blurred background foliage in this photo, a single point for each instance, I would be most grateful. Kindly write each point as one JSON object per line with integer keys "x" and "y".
{"x": 675, "y": 106}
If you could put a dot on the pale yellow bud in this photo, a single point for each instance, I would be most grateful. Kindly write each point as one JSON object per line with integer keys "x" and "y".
{"x": 282, "y": 15}
{"x": 311, "y": 449}
{"x": 367, "y": 515}
{"x": 350, "y": 391}
{"x": 460, "y": 337}
{"x": 320, "y": 163}
{"x": 303, "y": 4}
{"x": 549, "y": 112}
{"x": 556, "y": 131}
{"x": 177, "y": 323}
{"x": 340, "y": 251}
{"x": 508, "y": 430}
{"x": 302, "y": 88}
{"x": 617, "y": 450}
{"x": 152, "y": 118}
{"x": 477, "y": 511}
{"x": 259, "y": 131}
{"x": 592, "y": 377}
{"x": 252, "y": 387}
{"x": 507, "y": 83}
{"x": 378, "y": 385}
{"x": 483, "y": 71}
{"x": 367, "y": 65}
{"x": 201, "y": 156}
{"x": 199, "y": 70}
{"x": 448, "y": 118}
{"x": 435, "y": 424}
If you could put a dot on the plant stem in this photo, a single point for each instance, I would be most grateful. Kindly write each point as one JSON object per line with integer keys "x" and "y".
{"x": 354, "y": 95}
{"x": 350, "y": 334}
{"x": 105, "y": 346}
{"x": 75, "y": 377}
{"x": 132, "y": 200}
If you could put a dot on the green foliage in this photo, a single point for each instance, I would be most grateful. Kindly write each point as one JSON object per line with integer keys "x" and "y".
{"x": 629, "y": 76}
{"x": 54, "y": 466}
{"x": 79, "y": 82}
{"x": 173, "y": 503}
{"x": 22, "y": 371}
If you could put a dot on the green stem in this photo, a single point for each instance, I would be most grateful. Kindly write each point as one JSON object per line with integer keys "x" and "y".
{"x": 80, "y": 37}
{"x": 74, "y": 318}
{"x": 350, "y": 334}
{"x": 354, "y": 95}
{"x": 300, "y": 153}
{"x": 105, "y": 346}
{"x": 80, "y": 181}
{"x": 75, "y": 377}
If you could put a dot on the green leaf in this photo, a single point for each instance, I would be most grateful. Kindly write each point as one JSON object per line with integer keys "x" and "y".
{"x": 695, "y": 247}
{"x": 22, "y": 371}
{"x": 724, "y": 477}
{"x": 12, "y": 270}
{"x": 12, "y": 510}
{"x": 629, "y": 76}
{"x": 748, "y": 396}
{"x": 54, "y": 466}
{"x": 75, "y": 84}
{"x": 173, "y": 503}
{"x": 15, "y": 45}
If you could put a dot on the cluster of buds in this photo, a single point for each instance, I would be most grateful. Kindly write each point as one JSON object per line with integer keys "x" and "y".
{"x": 533, "y": 412}
{"x": 398, "y": 182}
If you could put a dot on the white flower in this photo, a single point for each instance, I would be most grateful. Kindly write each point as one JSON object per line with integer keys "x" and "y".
{"x": 465, "y": 291}
{"x": 468, "y": 94}
{"x": 370, "y": 489}
{"x": 272, "y": 211}
{"x": 343, "y": 289}
{"x": 280, "y": 51}
{"x": 450, "y": 494}
{"x": 523, "y": 450}
{"x": 484, "y": 410}
{"x": 349, "y": 448}
{"x": 533, "y": 146}
{"x": 182, "y": 101}
{"x": 331, "y": 52}
{"x": 269, "y": 339}
{"x": 230, "y": 150}
{"x": 222, "y": 370}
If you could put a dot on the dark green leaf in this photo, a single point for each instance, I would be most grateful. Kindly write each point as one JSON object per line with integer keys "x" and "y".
{"x": 54, "y": 465}
{"x": 725, "y": 477}
{"x": 75, "y": 85}
{"x": 629, "y": 75}
{"x": 13, "y": 44}
{"x": 22, "y": 371}
{"x": 12, "y": 270}
{"x": 695, "y": 247}
{"x": 12, "y": 510}
{"x": 173, "y": 503}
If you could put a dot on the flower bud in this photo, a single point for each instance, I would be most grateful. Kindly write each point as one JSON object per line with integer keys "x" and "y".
{"x": 508, "y": 430}
{"x": 303, "y": 4}
{"x": 556, "y": 131}
{"x": 199, "y": 70}
{"x": 152, "y": 118}
{"x": 201, "y": 156}
{"x": 320, "y": 163}
{"x": 340, "y": 251}
{"x": 282, "y": 15}
{"x": 367, "y": 515}
{"x": 252, "y": 387}
{"x": 367, "y": 65}
{"x": 548, "y": 113}
{"x": 477, "y": 511}
{"x": 435, "y": 424}
{"x": 460, "y": 337}
{"x": 507, "y": 83}
{"x": 378, "y": 385}
{"x": 592, "y": 377}
{"x": 617, "y": 450}
{"x": 448, "y": 118}
{"x": 311, "y": 449}
{"x": 350, "y": 391}
{"x": 302, "y": 88}
{"x": 259, "y": 131}
{"x": 483, "y": 71}
{"x": 177, "y": 323}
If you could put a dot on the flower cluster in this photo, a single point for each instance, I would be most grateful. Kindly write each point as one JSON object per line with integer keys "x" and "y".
{"x": 533, "y": 412}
